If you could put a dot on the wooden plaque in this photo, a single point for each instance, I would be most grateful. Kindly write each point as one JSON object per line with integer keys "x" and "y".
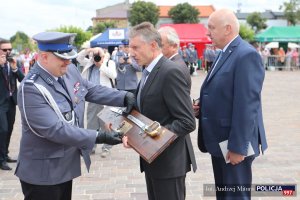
{"x": 148, "y": 147}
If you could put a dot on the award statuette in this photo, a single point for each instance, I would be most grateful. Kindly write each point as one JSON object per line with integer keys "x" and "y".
{"x": 146, "y": 137}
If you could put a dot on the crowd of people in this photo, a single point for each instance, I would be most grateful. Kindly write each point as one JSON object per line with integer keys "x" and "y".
{"x": 52, "y": 96}
{"x": 279, "y": 58}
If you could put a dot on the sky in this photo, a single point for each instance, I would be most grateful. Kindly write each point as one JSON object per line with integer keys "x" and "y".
{"x": 34, "y": 16}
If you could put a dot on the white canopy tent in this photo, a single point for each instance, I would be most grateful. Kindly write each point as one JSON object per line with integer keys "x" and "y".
{"x": 272, "y": 45}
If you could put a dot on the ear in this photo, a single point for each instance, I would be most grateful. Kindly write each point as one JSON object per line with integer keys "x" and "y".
{"x": 154, "y": 44}
{"x": 43, "y": 56}
{"x": 228, "y": 29}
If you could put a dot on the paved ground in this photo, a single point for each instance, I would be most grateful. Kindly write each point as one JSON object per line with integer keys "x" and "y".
{"x": 118, "y": 177}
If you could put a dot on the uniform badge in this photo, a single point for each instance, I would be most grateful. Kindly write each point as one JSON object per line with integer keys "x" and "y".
{"x": 32, "y": 78}
{"x": 68, "y": 116}
{"x": 76, "y": 87}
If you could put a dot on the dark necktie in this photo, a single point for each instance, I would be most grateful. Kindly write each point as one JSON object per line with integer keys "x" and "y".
{"x": 61, "y": 81}
{"x": 142, "y": 83}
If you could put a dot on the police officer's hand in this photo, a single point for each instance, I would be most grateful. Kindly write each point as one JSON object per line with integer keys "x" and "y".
{"x": 109, "y": 137}
{"x": 129, "y": 102}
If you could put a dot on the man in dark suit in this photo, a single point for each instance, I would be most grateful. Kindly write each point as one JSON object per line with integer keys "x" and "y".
{"x": 163, "y": 96}
{"x": 230, "y": 106}
{"x": 9, "y": 75}
{"x": 170, "y": 48}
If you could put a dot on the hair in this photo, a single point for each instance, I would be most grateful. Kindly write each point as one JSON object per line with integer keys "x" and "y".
{"x": 147, "y": 32}
{"x": 171, "y": 34}
{"x": 4, "y": 41}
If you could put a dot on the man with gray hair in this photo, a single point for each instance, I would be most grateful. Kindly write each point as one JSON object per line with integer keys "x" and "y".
{"x": 163, "y": 96}
{"x": 170, "y": 46}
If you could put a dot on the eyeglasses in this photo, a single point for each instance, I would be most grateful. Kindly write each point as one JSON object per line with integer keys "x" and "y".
{"x": 5, "y": 50}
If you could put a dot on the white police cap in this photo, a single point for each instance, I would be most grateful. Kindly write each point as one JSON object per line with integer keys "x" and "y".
{"x": 57, "y": 42}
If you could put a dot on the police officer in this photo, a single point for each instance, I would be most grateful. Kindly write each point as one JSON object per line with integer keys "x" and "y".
{"x": 126, "y": 69}
{"x": 51, "y": 101}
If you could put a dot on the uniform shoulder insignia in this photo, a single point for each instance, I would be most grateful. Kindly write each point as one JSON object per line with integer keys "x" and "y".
{"x": 32, "y": 78}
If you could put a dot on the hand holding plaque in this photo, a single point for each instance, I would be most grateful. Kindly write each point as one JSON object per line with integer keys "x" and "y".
{"x": 146, "y": 137}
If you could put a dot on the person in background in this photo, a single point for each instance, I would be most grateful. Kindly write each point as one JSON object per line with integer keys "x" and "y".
{"x": 126, "y": 69}
{"x": 52, "y": 101}
{"x": 163, "y": 96}
{"x": 26, "y": 57}
{"x": 97, "y": 69}
{"x": 209, "y": 56}
{"x": 281, "y": 58}
{"x": 114, "y": 54}
{"x": 266, "y": 57}
{"x": 230, "y": 109}
{"x": 170, "y": 46}
{"x": 10, "y": 73}
{"x": 192, "y": 58}
{"x": 185, "y": 55}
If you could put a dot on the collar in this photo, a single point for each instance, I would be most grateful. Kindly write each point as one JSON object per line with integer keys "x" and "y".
{"x": 173, "y": 56}
{"x": 46, "y": 70}
{"x": 224, "y": 49}
{"x": 150, "y": 67}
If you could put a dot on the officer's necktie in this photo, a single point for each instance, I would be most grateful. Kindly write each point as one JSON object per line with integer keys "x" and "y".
{"x": 142, "y": 83}
{"x": 219, "y": 58}
{"x": 61, "y": 81}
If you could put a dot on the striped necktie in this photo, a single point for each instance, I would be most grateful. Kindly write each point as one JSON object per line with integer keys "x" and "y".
{"x": 142, "y": 83}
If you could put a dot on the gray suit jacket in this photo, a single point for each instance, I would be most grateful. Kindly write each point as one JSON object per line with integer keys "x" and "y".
{"x": 178, "y": 59}
{"x": 165, "y": 98}
{"x": 55, "y": 158}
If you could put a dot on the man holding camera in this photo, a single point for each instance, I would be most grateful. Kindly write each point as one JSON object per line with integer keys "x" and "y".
{"x": 126, "y": 69}
{"x": 99, "y": 70}
{"x": 9, "y": 74}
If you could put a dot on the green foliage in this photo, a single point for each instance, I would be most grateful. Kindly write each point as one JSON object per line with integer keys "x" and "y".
{"x": 142, "y": 11}
{"x": 246, "y": 32}
{"x": 184, "y": 14}
{"x": 20, "y": 41}
{"x": 291, "y": 11}
{"x": 81, "y": 36}
{"x": 256, "y": 21}
{"x": 102, "y": 26}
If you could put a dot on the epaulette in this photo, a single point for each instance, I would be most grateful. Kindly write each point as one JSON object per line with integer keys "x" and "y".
{"x": 32, "y": 78}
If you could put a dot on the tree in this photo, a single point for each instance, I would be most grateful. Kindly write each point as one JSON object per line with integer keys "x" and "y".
{"x": 291, "y": 11}
{"x": 102, "y": 26}
{"x": 142, "y": 11}
{"x": 21, "y": 41}
{"x": 81, "y": 36}
{"x": 184, "y": 14}
{"x": 256, "y": 21}
{"x": 246, "y": 32}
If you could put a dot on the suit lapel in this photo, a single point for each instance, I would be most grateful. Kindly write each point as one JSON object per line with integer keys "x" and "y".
{"x": 223, "y": 59}
{"x": 150, "y": 80}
